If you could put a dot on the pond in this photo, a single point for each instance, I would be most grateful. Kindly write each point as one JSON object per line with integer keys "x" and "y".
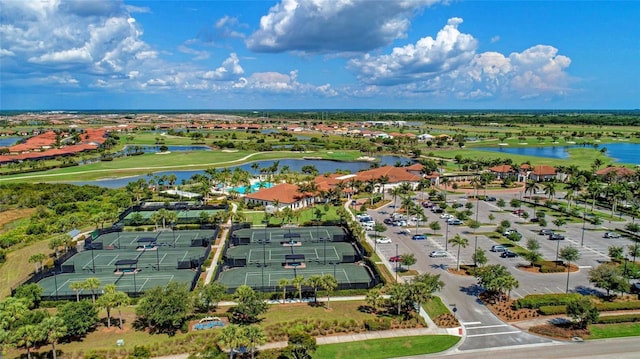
{"x": 154, "y": 149}
{"x": 621, "y": 152}
{"x": 294, "y": 165}
{"x": 9, "y": 141}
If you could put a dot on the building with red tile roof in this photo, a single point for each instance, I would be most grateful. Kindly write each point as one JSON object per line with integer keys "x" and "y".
{"x": 502, "y": 171}
{"x": 284, "y": 194}
{"x": 543, "y": 173}
{"x": 616, "y": 172}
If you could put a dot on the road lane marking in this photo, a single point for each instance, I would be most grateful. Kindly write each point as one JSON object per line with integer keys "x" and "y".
{"x": 487, "y": 334}
{"x": 489, "y": 326}
{"x": 470, "y": 323}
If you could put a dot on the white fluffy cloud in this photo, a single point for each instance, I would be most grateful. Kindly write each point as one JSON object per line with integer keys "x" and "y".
{"x": 323, "y": 26}
{"x": 230, "y": 70}
{"x": 450, "y": 66}
{"x": 428, "y": 57}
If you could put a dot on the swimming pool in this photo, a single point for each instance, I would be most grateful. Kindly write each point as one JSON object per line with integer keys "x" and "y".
{"x": 255, "y": 187}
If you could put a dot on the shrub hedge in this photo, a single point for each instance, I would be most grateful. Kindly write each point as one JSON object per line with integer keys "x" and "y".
{"x": 552, "y": 309}
{"x": 618, "y": 306}
{"x": 624, "y": 318}
{"x": 535, "y": 301}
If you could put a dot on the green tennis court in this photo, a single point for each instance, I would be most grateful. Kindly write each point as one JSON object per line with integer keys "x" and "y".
{"x": 183, "y": 216}
{"x": 261, "y": 257}
{"x": 183, "y": 238}
{"x": 133, "y": 266}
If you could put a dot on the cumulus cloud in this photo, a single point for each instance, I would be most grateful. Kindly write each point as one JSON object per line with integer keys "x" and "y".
{"x": 449, "y": 66}
{"x": 272, "y": 82}
{"x": 424, "y": 59}
{"x": 230, "y": 70}
{"x": 322, "y": 26}
{"x": 93, "y": 37}
{"x": 197, "y": 54}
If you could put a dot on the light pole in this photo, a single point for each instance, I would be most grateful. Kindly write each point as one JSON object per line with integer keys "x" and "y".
{"x": 93, "y": 261}
{"x": 264, "y": 251}
{"x": 55, "y": 280}
{"x": 446, "y": 238}
{"x": 396, "y": 262}
{"x": 584, "y": 219}
{"x": 475, "y": 231}
{"x": 135, "y": 287}
{"x": 557, "y": 251}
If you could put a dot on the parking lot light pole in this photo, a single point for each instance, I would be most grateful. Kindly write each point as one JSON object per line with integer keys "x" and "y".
{"x": 446, "y": 238}
{"x": 396, "y": 262}
{"x": 584, "y": 220}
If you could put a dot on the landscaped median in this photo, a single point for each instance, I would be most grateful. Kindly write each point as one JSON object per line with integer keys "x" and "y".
{"x": 388, "y": 347}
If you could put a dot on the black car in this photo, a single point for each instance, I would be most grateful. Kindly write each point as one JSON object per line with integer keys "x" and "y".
{"x": 491, "y": 199}
{"x": 556, "y": 237}
{"x": 508, "y": 254}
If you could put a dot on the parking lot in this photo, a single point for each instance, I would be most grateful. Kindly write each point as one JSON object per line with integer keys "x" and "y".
{"x": 592, "y": 245}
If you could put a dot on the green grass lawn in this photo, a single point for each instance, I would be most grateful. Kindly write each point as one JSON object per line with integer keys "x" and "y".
{"x": 387, "y": 348}
{"x": 435, "y": 307}
{"x": 603, "y": 331}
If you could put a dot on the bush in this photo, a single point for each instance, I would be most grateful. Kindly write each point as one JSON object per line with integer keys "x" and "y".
{"x": 377, "y": 324}
{"x": 535, "y": 301}
{"x": 618, "y": 306}
{"x": 552, "y": 309}
{"x": 624, "y": 318}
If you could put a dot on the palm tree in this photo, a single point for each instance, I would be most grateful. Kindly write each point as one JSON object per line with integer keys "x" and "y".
{"x": 38, "y": 259}
{"x": 92, "y": 284}
{"x": 569, "y": 254}
{"x": 329, "y": 283}
{"x": 314, "y": 281}
{"x": 231, "y": 337}
{"x": 398, "y": 294}
{"x": 531, "y": 187}
{"x": 550, "y": 189}
{"x": 395, "y": 192}
{"x": 374, "y": 298}
{"x": 460, "y": 242}
{"x": 298, "y": 281}
{"x": 52, "y": 329}
{"x": 77, "y": 287}
{"x": 256, "y": 336}
{"x": 283, "y": 283}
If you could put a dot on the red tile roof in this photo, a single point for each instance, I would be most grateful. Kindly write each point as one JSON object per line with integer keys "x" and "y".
{"x": 618, "y": 171}
{"x": 544, "y": 170}
{"x": 395, "y": 174}
{"x": 284, "y": 193}
{"x": 502, "y": 169}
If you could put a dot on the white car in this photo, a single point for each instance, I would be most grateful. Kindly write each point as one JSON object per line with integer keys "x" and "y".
{"x": 446, "y": 216}
{"x": 436, "y": 254}
{"x": 383, "y": 240}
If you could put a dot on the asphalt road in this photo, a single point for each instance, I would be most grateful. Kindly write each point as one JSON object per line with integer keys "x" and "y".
{"x": 622, "y": 348}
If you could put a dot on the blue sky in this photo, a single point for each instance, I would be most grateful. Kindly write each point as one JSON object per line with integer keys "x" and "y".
{"x": 319, "y": 54}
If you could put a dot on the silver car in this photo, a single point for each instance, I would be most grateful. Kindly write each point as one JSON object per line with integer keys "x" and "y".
{"x": 436, "y": 254}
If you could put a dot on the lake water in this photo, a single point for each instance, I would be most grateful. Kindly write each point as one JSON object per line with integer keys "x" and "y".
{"x": 154, "y": 149}
{"x": 9, "y": 141}
{"x": 294, "y": 165}
{"x": 621, "y": 152}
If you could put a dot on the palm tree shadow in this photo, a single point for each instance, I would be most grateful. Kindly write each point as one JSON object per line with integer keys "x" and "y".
{"x": 473, "y": 290}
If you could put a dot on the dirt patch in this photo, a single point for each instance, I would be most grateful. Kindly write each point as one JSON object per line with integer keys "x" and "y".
{"x": 504, "y": 308}
{"x": 11, "y": 215}
{"x": 458, "y": 272}
{"x": 537, "y": 269}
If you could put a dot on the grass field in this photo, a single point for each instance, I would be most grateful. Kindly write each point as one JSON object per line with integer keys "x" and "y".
{"x": 604, "y": 331}
{"x": 387, "y": 348}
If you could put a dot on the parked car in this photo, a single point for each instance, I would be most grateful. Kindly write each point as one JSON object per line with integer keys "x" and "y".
{"x": 405, "y": 231}
{"x": 611, "y": 235}
{"x": 436, "y": 209}
{"x": 491, "y": 199}
{"x": 383, "y": 240}
{"x": 395, "y": 259}
{"x": 509, "y": 231}
{"x": 498, "y": 248}
{"x": 454, "y": 221}
{"x": 508, "y": 254}
{"x": 518, "y": 212}
{"x": 446, "y": 216}
{"x": 436, "y": 254}
{"x": 418, "y": 237}
{"x": 546, "y": 232}
{"x": 556, "y": 237}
